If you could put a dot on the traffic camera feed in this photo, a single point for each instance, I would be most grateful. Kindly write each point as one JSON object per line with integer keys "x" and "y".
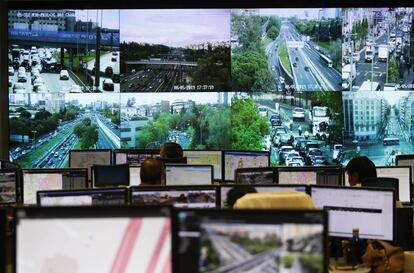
{"x": 300, "y": 130}
{"x": 175, "y": 50}
{"x": 377, "y": 49}
{"x": 286, "y": 49}
{"x": 60, "y": 55}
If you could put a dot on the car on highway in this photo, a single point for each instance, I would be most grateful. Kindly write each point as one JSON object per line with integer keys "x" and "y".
{"x": 42, "y": 89}
{"x": 109, "y": 71}
{"x": 290, "y": 155}
{"x": 273, "y": 68}
{"x": 283, "y": 152}
{"x": 115, "y": 53}
{"x": 10, "y": 82}
{"x": 319, "y": 160}
{"x": 263, "y": 110}
{"x": 298, "y": 114}
{"x": 21, "y": 76}
{"x": 75, "y": 89}
{"x": 337, "y": 148}
{"x": 296, "y": 161}
{"x": 108, "y": 85}
{"x": 295, "y": 64}
{"x": 11, "y": 71}
{"x": 355, "y": 57}
{"x": 307, "y": 69}
{"x": 312, "y": 153}
{"x": 64, "y": 75}
{"x": 275, "y": 120}
{"x": 37, "y": 82}
{"x": 19, "y": 88}
{"x": 281, "y": 80}
{"x": 113, "y": 59}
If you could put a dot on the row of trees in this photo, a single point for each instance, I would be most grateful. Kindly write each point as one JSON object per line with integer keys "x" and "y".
{"x": 113, "y": 116}
{"x": 250, "y": 71}
{"x": 87, "y": 133}
{"x": 324, "y": 31}
{"x": 206, "y": 126}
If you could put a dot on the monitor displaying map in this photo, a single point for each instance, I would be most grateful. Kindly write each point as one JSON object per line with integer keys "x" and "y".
{"x": 86, "y": 159}
{"x": 205, "y": 158}
{"x": 7, "y": 187}
{"x": 33, "y": 182}
{"x": 299, "y": 177}
{"x": 243, "y": 159}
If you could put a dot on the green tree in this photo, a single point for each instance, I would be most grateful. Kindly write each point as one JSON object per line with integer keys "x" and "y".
{"x": 78, "y": 130}
{"x": 219, "y": 129}
{"x": 25, "y": 114}
{"x": 42, "y": 114}
{"x": 272, "y": 33}
{"x": 251, "y": 73}
{"x": 248, "y": 127}
{"x": 155, "y": 132}
{"x": 392, "y": 70}
{"x": 86, "y": 121}
{"x": 89, "y": 137}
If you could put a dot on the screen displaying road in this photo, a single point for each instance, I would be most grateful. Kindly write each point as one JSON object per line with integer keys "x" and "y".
{"x": 8, "y": 184}
{"x": 117, "y": 245}
{"x": 177, "y": 198}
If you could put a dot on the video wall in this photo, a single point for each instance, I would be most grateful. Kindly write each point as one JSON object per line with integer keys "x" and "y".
{"x": 299, "y": 83}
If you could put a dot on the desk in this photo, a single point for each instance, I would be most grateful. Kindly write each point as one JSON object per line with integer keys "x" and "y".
{"x": 361, "y": 268}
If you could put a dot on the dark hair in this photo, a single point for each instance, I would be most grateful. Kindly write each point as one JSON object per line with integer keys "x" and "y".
{"x": 171, "y": 150}
{"x": 238, "y": 192}
{"x": 363, "y": 166}
{"x": 152, "y": 170}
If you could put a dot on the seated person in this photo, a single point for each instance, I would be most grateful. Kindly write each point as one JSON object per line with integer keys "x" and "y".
{"x": 238, "y": 192}
{"x": 360, "y": 168}
{"x": 152, "y": 172}
{"x": 172, "y": 153}
{"x": 171, "y": 150}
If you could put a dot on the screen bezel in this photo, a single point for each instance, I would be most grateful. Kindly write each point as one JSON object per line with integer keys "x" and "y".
{"x": 188, "y": 166}
{"x": 78, "y": 192}
{"x": 78, "y": 212}
{"x": 313, "y": 169}
{"x": 16, "y": 186}
{"x": 259, "y": 169}
{"x": 60, "y": 170}
{"x": 257, "y": 216}
{"x": 410, "y": 186}
{"x": 361, "y": 189}
{"x": 223, "y": 161}
{"x": 175, "y": 188}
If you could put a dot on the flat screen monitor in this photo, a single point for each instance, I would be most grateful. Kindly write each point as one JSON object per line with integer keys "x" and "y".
{"x": 134, "y": 156}
{"x": 250, "y": 241}
{"x": 121, "y": 239}
{"x": 188, "y": 175}
{"x": 310, "y": 175}
{"x": 224, "y": 189}
{"x": 86, "y": 197}
{"x": 369, "y": 209}
{"x": 403, "y": 173}
{"x": 113, "y": 175}
{"x": 233, "y": 160}
{"x": 88, "y": 158}
{"x": 134, "y": 175}
{"x": 178, "y": 196}
{"x": 406, "y": 160}
{"x": 201, "y": 157}
{"x": 8, "y": 186}
{"x": 35, "y": 180}
{"x": 256, "y": 175}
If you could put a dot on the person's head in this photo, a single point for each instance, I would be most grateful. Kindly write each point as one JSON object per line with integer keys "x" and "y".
{"x": 238, "y": 192}
{"x": 152, "y": 172}
{"x": 360, "y": 168}
{"x": 171, "y": 150}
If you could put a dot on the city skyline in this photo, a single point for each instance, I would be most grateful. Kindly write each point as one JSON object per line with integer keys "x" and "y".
{"x": 175, "y": 28}
{"x": 110, "y": 18}
{"x": 301, "y": 13}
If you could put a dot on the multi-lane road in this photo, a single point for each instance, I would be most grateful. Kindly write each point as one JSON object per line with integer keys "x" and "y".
{"x": 110, "y": 59}
{"x": 52, "y": 82}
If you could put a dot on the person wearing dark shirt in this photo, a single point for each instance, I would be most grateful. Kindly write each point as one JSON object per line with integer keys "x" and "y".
{"x": 171, "y": 150}
{"x": 238, "y": 192}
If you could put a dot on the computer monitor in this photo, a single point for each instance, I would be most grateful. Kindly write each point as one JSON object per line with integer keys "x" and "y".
{"x": 88, "y": 158}
{"x": 188, "y": 175}
{"x": 134, "y": 175}
{"x": 406, "y": 160}
{"x": 403, "y": 174}
{"x": 93, "y": 239}
{"x": 51, "y": 179}
{"x": 86, "y": 197}
{"x": 134, "y": 156}
{"x": 266, "y": 175}
{"x": 8, "y": 186}
{"x": 113, "y": 175}
{"x": 203, "y": 157}
{"x": 369, "y": 209}
{"x": 178, "y": 196}
{"x": 250, "y": 240}
{"x": 310, "y": 175}
{"x": 233, "y": 160}
{"x": 224, "y": 189}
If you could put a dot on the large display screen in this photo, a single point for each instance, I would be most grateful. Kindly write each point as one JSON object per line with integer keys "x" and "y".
{"x": 280, "y": 80}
